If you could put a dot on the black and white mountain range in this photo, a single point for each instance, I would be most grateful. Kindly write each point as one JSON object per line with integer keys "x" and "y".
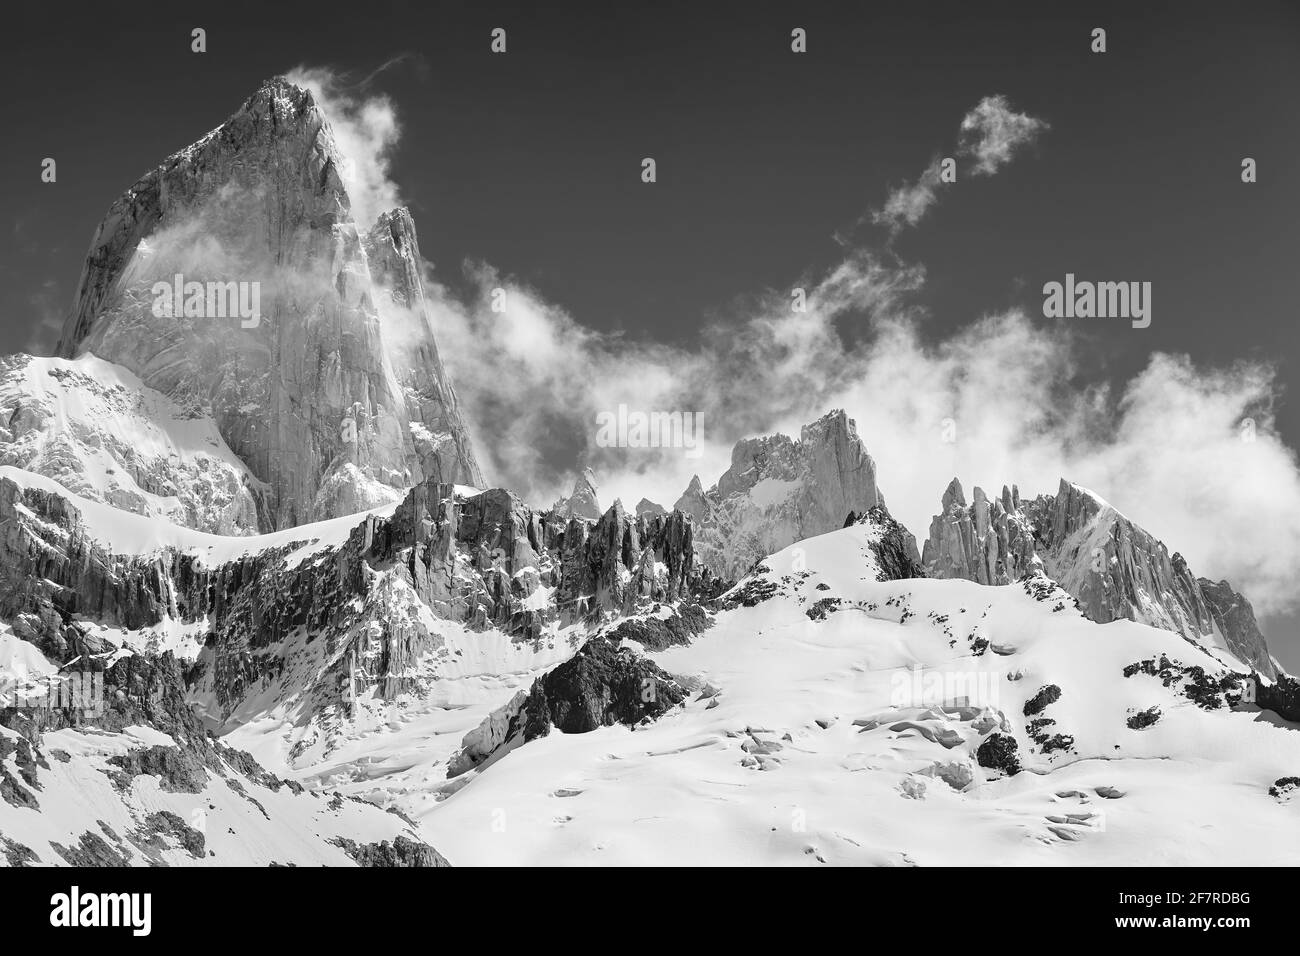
{"x": 259, "y": 604}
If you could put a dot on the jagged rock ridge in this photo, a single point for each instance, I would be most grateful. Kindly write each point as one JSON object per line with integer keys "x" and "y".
{"x": 1114, "y": 568}
{"x": 287, "y": 618}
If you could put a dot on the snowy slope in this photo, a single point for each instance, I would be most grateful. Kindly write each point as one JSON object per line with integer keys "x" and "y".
{"x": 1111, "y": 565}
{"x": 100, "y": 432}
{"x": 126, "y": 533}
{"x": 83, "y": 814}
{"x": 816, "y": 748}
{"x": 831, "y": 717}
{"x": 129, "y": 777}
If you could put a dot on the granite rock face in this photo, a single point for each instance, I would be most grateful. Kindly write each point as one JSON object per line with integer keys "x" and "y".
{"x": 1236, "y": 622}
{"x": 584, "y": 502}
{"x": 778, "y": 491}
{"x": 647, "y": 507}
{"x": 1114, "y": 568}
{"x": 989, "y": 542}
{"x": 333, "y": 395}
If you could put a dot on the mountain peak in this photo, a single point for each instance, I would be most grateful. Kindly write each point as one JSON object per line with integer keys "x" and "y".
{"x": 584, "y": 502}
{"x": 329, "y": 409}
{"x": 953, "y": 495}
{"x": 778, "y": 490}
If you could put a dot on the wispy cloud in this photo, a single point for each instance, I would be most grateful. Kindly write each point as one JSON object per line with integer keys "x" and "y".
{"x": 1165, "y": 447}
{"x": 990, "y": 135}
{"x": 366, "y": 129}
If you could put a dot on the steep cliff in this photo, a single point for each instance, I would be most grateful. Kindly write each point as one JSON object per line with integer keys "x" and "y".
{"x": 333, "y": 393}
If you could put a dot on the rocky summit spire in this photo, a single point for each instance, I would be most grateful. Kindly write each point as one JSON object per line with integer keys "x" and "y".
{"x": 233, "y": 279}
{"x": 584, "y": 502}
{"x": 779, "y": 491}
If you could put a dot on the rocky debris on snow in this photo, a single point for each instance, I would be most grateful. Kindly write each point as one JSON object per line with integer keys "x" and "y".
{"x": 654, "y": 633}
{"x": 823, "y": 606}
{"x": 998, "y": 751}
{"x": 1143, "y": 718}
{"x": 1209, "y": 693}
{"x": 1046, "y": 695}
{"x": 1284, "y": 788}
{"x": 402, "y": 852}
{"x": 15, "y": 854}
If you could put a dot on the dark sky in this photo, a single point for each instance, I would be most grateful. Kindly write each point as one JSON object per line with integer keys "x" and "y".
{"x": 530, "y": 161}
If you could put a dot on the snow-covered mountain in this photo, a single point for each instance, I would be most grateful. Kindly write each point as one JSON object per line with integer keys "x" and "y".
{"x": 829, "y": 716}
{"x": 778, "y": 491}
{"x": 1113, "y": 567}
{"x": 585, "y": 691}
{"x": 334, "y": 394}
{"x": 142, "y": 785}
{"x": 254, "y": 594}
{"x": 101, "y": 433}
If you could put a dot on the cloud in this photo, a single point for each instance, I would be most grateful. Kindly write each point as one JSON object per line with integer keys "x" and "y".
{"x": 48, "y": 306}
{"x": 991, "y": 133}
{"x": 366, "y": 129}
{"x": 1164, "y": 447}
{"x": 909, "y": 202}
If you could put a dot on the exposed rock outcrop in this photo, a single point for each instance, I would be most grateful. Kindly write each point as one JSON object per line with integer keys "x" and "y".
{"x": 605, "y": 683}
{"x": 647, "y": 507}
{"x": 778, "y": 491}
{"x": 894, "y": 547}
{"x": 989, "y": 542}
{"x": 1112, "y": 567}
{"x": 1235, "y": 619}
